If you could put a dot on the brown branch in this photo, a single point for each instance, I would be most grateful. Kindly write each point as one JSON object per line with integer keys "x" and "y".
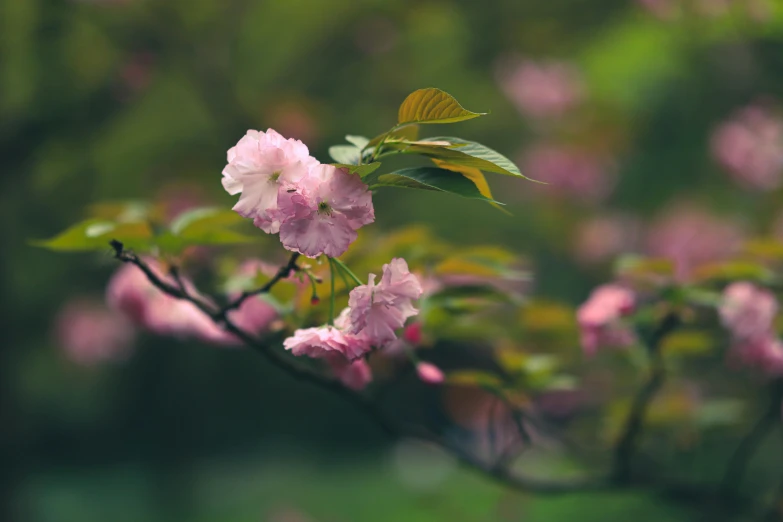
{"x": 281, "y": 274}
{"x": 501, "y": 474}
{"x": 738, "y": 463}
{"x": 634, "y": 424}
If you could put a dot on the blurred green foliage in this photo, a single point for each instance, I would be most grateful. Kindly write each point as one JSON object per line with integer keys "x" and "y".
{"x": 109, "y": 100}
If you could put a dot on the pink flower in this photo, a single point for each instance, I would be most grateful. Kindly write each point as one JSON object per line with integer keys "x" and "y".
{"x": 542, "y": 90}
{"x": 378, "y": 310}
{"x": 750, "y": 147}
{"x": 748, "y": 311}
{"x": 130, "y": 292}
{"x": 323, "y": 211}
{"x": 325, "y": 342}
{"x": 691, "y": 237}
{"x": 763, "y": 352}
{"x": 569, "y": 173}
{"x": 258, "y": 166}
{"x": 355, "y": 375}
{"x": 90, "y": 333}
{"x": 599, "y": 318}
{"x": 430, "y": 373}
{"x": 605, "y": 237}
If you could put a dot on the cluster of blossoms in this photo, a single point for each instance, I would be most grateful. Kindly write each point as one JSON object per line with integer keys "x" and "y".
{"x": 374, "y": 313}
{"x": 748, "y": 312}
{"x": 316, "y": 208}
{"x": 750, "y": 147}
{"x": 599, "y": 318}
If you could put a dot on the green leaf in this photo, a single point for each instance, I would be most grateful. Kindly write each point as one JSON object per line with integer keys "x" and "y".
{"x": 345, "y": 154}
{"x": 476, "y": 378}
{"x": 432, "y": 106}
{"x": 95, "y": 234}
{"x": 431, "y": 178}
{"x": 463, "y": 152}
{"x": 475, "y": 176}
{"x": 362, "y": 170}
{"x": 406, "y": 133}
{"x": 359, "y": 141}
{"x": 198, "y": 219}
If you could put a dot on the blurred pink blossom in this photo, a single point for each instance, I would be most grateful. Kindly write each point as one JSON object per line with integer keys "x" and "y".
{"x": 430, "y": 373}
{"x": 691, "y": 237}
{"x": 326, "y": 342}
{"x": 292, "y": 119}
{"x": 604, "y": 237}
{"x": 543, "y": 89}
{"x": 750, "y": 147}
{"x": 130, "y": 292}
{"x": 355, "y": 375}
{"x": 599, "y": 318}
{"x": 747, "y": 310}
{"x": 90, "y": 333}
{"x": 569, "y": 173}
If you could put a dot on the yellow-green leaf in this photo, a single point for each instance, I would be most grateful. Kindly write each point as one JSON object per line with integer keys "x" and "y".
{"x": 433, "y": 106}
{"x": 474, "y": 175}
{"x": 95, "y": 234}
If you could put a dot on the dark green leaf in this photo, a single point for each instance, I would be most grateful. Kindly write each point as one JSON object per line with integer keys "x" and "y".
{"x": 362, "y": 170}
{"x": 95, "y": 234}
{"x": 431, "y": 178}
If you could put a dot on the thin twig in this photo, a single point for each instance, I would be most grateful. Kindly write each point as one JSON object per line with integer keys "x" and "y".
{"x": 281, "y": 274}
{"x": 634, "y": 423}
{"x": 738, "y": 463}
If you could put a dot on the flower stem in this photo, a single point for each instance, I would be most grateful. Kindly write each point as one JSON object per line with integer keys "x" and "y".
{"x": 331, "y": 299}
{"x": 346, "y": 270}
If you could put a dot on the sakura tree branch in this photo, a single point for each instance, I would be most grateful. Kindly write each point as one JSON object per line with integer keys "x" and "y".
{"x": 282, "y": 273}
{"x": 501, "y": 473}
{"x": 634, "y": 424}
{"x": 738, "y": 463}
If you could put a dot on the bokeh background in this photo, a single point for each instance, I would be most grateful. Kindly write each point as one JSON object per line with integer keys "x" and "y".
{"x": 656, "y": 124}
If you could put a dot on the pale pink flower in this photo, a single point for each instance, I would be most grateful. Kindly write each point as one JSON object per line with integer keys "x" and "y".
{"x": 750, "y": 147}
{"x": 569, "y": 173}
{"x": 430, "y": 373}
{"x": 599, "y": 318}
{"x": 691, "y": 237}
{"x": 90, "y": 333}
{"x": 747, "y": 311}
{"x": 258, "y": 166}
{"x": 130, "y": 292}
{"x": 355, "y": 375}
{"x": 604, "y": 237}
{"x": 542, "y": 90}
{"x": 325, "y": 342}
{"x": 323, "y": 211}
{"x": 764, "y": 353}
{"x": 378, "y": 310}
{"x": 663, "y": 9}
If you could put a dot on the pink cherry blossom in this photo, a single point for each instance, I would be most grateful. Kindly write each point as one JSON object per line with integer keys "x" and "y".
{"x": 130, "y": 292}
{"x": 258, "y": 166}
{"x": 90, "y": 333}
{"x": 764, "y": 353}
{"x": 599, "y": 318}
{"x": 691, "y": 237}
{"x": 604, "y": 237}
{"x": 748, "y": 311}
{"x": 325, "y": 342}
{"x": 541, "y": 90}
{"x": 569, "y": 173}
{"x": 378, "y": 310}
{"x": 355, "y": 375}
{"x": 430, "y": 373}
{"x": 750, "y": 147}
{"x": 322, "y": 212}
